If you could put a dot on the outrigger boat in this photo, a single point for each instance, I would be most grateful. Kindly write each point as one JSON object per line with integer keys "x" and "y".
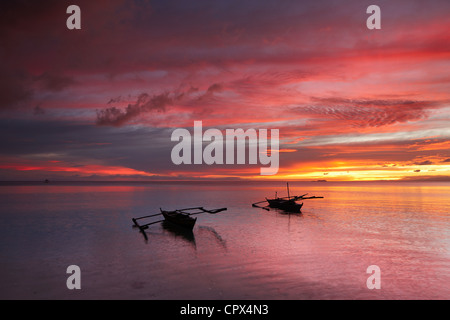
{"x": 180, "y": 217}
{"x": 287, "y": 204}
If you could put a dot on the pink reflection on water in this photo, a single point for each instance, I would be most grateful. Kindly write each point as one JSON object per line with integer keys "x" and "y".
{"x": 242, "y": 253}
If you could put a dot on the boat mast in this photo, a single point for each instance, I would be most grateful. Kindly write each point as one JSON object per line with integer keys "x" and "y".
{"x": 288, "y": 190}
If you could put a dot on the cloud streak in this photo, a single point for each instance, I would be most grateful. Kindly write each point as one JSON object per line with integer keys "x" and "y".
{"x": 363, "y": 113}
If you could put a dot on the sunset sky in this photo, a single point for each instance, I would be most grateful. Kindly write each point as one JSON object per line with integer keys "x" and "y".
{"x": 101, "y": 103}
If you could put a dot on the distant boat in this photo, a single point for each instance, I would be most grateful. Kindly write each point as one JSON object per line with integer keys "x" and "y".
{"x": 287, "y": 204}
{"x": 46, "y": 181}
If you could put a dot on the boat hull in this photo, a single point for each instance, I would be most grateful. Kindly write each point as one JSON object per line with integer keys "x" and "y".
{"x": 179, "y": 219}
{"x": 285, "y": 205}
{"x": 273, "y": 203}
{"x": 291, "y": 206}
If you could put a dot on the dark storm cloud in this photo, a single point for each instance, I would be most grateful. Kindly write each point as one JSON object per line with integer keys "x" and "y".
{"x": 124, "y": 35}
{"x": 121, "y": 36}
{"x": 141, "y": 149}
{"x": 145, "y": 103}
{"x": 114, "y": 116}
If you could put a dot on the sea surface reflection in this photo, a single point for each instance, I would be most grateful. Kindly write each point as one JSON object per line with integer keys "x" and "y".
{"x": 241, "y": 253}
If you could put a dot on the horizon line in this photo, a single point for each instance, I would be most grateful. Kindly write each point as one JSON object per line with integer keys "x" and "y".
{"x": 443, "y": 179}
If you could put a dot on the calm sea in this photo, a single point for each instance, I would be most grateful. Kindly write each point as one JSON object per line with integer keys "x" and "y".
{"x": 242, "y": 253}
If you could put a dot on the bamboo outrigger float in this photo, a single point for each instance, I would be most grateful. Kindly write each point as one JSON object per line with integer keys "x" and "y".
{"x": 287, "y": 204}
{"x": 180, "y": 217}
